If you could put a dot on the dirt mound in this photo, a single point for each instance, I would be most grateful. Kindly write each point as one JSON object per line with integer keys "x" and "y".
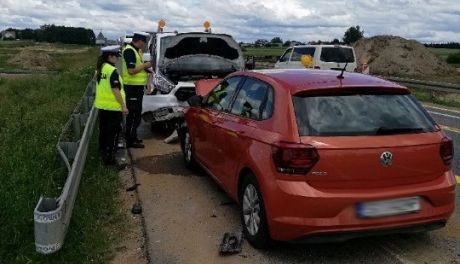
{"x": 32, "y": 60}
{"x": 390, "y": 55}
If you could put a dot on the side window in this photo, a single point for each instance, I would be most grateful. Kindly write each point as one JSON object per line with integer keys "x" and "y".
{"x": 254, "y": 100}
{"x": 298, "y": 52}
{"x": 286, "y": 55}
{"x": 222, "y": 95}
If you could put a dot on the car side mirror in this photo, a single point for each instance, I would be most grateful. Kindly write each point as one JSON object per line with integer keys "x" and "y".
{"x": 195, "y": 101}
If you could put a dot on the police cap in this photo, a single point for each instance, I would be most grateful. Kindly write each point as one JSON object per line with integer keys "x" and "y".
{"x": 111, "y": 50}
{"x": 141, "y": 36}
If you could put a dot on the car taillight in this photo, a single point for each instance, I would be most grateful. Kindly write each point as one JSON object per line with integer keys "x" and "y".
{"x": 447, "y": 151}
{"x": 317, "y": 67}
{"x": 294, "y": 158}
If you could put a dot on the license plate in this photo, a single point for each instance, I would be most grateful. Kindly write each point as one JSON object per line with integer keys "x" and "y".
{"x": 388, "y": 207}
{"x": 162, "y": 112}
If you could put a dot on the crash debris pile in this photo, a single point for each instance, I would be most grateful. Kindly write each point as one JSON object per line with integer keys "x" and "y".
{"x": 31, "y": 60}
{"x": 390, "y": 55}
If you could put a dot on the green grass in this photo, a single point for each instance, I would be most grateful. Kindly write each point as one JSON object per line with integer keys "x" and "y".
{"x": 262, "y": 52}
{"x": 32, "y": 113}
{"x": 16, "y": 43}
{"x": 60, "y": 61}
{"x": 435, "y": 98}
{"x": 443, "y": 53}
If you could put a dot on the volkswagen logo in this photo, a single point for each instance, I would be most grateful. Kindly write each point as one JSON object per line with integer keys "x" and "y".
{"x": 386, "y": 158}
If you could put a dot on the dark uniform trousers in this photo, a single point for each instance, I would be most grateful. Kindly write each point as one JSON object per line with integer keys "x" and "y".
{"x": 134, "y": 95}
{"x": 109, "y": 130}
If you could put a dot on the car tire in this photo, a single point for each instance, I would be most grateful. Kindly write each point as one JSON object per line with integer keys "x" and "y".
{"x": 187, "y": 148}
{"x": 252, "y": 213}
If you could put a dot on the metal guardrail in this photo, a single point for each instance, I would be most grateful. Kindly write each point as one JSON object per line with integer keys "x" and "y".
{"x": 52, "y": 215}
{"x": 434, "y": 86}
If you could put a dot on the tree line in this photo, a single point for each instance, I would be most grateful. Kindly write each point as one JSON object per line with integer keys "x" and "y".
{"x": 53, "y": 33}
{"x": 351, "y": 35}
{"x": 449, "y": 45}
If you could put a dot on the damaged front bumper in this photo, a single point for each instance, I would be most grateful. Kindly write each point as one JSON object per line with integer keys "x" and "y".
{"x": 162, "y": 107}
{"x": 166, "y": 113}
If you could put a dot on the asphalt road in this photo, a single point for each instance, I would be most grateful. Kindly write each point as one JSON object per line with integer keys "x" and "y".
{"x": 186, "y": 215}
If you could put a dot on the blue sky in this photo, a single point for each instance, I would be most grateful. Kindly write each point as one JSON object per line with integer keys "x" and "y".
{"x": 303, "y": 20}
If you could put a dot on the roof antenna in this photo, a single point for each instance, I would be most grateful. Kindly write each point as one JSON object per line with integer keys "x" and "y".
{"x": 340, "y": 76}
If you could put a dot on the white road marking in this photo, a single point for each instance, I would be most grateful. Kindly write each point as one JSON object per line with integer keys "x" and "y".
{"x": 451, "y": 129}
{"x": 443, "y": 109}
{"x": 446, "y": 115}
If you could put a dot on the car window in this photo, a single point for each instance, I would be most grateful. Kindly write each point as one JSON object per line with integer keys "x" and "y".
{"x": 220, "y": 97}
{"x": 337, "y": 54}
{"x": 360, "y": 114}
{"x": 298, "y": 52}
{"x": 254, "y": 100}
{"x": 286, "y": 55}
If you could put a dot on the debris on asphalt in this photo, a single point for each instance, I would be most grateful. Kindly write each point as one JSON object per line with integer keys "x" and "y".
{"x": 227, "y": 203}
{"x": 231, "y": 243}
{"x": 132, "y": 188}
{"x": 137, "y": 209}
{"x": 213, "y": 215}
{"x": 172, "y": 138}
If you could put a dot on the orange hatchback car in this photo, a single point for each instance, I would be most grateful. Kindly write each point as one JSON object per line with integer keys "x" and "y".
{"x": 311, "y": 156}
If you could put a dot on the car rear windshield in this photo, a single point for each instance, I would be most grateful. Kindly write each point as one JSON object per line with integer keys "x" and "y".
{"x": 337, "y": 54}
{"x": 360, "y": 114}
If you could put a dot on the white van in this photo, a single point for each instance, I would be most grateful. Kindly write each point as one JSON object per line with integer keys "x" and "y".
{"x": 329, "y": 57}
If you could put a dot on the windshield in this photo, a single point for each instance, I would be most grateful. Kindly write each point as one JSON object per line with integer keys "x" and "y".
{"x": 337, "y": 54}
{"x": 360, "y": 114}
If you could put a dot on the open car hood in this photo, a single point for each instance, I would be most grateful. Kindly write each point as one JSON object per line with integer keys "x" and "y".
{"x": 199, "y": 55}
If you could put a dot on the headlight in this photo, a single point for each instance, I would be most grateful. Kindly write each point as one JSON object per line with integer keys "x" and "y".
{"x": 162, "y": 83}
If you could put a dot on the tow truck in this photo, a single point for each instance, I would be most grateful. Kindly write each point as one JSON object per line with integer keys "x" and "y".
{"x": 179, "y": 59}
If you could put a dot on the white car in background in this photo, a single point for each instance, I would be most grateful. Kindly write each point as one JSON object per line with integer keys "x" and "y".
{"x": 325, "y": 57}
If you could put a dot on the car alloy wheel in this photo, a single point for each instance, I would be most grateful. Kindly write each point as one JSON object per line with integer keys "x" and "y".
{"x": 251, "y": 209}
{"x": 252, "y": 213}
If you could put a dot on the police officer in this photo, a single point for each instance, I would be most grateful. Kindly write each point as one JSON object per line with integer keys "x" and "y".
{"x": 110, "y": 100}
{"x": 135, "y": 75}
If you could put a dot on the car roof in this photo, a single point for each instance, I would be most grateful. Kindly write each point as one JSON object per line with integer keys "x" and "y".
{"x": 321, "y": 45}
{"x": 301, "y": 80}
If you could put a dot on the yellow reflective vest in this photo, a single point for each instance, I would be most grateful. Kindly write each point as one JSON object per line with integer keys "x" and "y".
{"x": 139, "y": 78}
{"x": 105, "y": 99}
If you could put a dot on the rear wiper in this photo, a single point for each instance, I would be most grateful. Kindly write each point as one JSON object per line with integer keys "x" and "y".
{"x": 397, "y": 130}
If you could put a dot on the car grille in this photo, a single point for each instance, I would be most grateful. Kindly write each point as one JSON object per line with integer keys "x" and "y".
{"x": 184, "y": 93}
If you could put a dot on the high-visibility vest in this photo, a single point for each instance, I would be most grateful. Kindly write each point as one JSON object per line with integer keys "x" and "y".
{"x": 105, "y": 99}
{"x": 139, "y": 78}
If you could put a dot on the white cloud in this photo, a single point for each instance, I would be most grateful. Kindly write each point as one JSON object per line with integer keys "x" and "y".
{"x": 424, "y": 20}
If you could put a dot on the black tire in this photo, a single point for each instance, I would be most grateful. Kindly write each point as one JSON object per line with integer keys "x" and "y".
{"x": 187, "y": 148}
{"x": 258, "y": 237}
